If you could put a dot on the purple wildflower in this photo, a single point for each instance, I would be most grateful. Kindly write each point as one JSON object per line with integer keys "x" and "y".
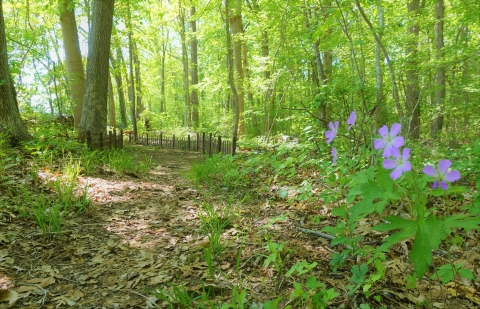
{"x": 330, "y": 134}
{"x": 389, "y": 140}
{"x": 334, "y": 154}
{"x": 441, "y": 175}
{"x": 399, "y": 163}
{"x": 351, "y": 119}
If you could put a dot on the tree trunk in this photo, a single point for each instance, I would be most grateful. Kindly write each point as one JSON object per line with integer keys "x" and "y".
{"x": 138, "y": 82}
{"x": 231, "y": 79}
{"x": 10, "y": 120}
{"x": 118, "y": 64}
{"x": 188, "y": 108}
{"x": 378, "y": 69}
{"x": 94, "y": 115}
{"x": 412, "y": 94}
{"x": 237, "y": 30}
{"x": 131, "y": 91}
{"x": 73, "y": 58}
{"x": 440, "y": 80}
{"x": 111, "y": 101}
{"x": 194, "y": 69}
{"x": 163, "y": 99}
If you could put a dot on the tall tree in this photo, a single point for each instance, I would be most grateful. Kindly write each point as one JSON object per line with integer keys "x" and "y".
{"x": 94, "y": 114}
{"x": 118, "y": 63}
{"x": 194, "y": 67}
{"x": 412, "y": 92}
{"x": 73, "y": 57}
{"x": 131, "y": 91}
{"x": 236, "y": 24}
{"x": 181, "y": 23}
{"x": 9, "y": 114}
{"x": 440, "y": 91}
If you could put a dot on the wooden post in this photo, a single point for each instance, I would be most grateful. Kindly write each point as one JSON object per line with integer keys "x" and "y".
{"x": 188, "y": 141}
{"x": 173, "y": 141}
{"x": 210, "y": 145}
{"x": 147, "y": 138}
{"x": 100, "y": 141}
{"x": 130, "y": 137}
{"x": 198, "y": 141}
{"x": 115, "y": 138}
{"x": 161, "y": 138}
{"x": 89, "y": 139}
{"x": 203, "y": 142}
{"x": 219, "y": 146}
{"x": 234, "y": 145}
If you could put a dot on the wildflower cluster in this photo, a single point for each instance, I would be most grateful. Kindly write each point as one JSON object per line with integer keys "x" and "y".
{"x": 397, "y": 160}
{"x": 330, "y": 134}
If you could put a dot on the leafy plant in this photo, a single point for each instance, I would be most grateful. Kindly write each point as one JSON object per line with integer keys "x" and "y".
{"x": 178, "y": 297}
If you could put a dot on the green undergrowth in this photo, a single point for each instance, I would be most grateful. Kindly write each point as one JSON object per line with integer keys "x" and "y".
{"x": 51, "y": 165}
{"x": 355, "y": 189}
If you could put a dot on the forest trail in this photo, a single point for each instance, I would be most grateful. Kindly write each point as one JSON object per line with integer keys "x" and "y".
{"x": 140, "y": 231}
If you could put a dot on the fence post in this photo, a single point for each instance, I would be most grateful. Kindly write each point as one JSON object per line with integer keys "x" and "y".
{"x": 234, "y": 145}
{"x": 188, "y": 141}
{"x": 173, "y": 141}
{"x": 219, "y": 146}
{"x": 210, "y": 145}
{"x": 161, "y": 138}
{"x": 203, "y": 142}
{"x": 130, "y": 137}
{"x": 198, "y": 141}
{"x": 115, "y": 138}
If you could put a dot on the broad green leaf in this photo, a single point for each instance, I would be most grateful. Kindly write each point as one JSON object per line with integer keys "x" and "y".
{"x": 421, "y": 254}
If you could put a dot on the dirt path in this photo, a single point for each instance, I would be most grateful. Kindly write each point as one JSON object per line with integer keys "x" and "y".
{"x": 140, "y": 231}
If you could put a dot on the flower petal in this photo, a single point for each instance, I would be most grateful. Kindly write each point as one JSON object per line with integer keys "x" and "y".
{"x": 396, "y": 173}
{"x": 396, "y": 128}
{"x": 395, "y": 153}
{"x": 330, "y": 125}
{"x": 383, "y": 131}
{"x": 430, "y": 171}
{"x": 452, "y": 176}
{"x": 443, "y": 166}
{"x": 389, "y": 164}
{"x": 336, "y": 125}
{"x": 406, "y": 166}
{"x": 387, "y": 152}
{"x": 398, "y": 142}
{"x": 334, "y": 151}
{"x": 435, "y": 184}
{"x": 406, "y": 154}
{"x": 443, "y": 185}
{"x": 379, "y": 143}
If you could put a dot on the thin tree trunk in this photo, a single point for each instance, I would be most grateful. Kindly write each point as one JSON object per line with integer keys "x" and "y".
{"x": 231, "y": 79}
{"x": 378, "y": 69}
{"x": 73, "y": 58}
{"x": 412, "y": 94}
{"x": 117, "y": 70}
{"x": 440, "y": 74}
{"x": 237, "y": 30}
{"x": 194, "y": 68}
{"x": 396, "y": 96}
{"x": 181, "y": 21}
{"x": 131, "y": 92}
{"x": 111, "y": 105}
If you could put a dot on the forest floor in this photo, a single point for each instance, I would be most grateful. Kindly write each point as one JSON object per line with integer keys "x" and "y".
{"x": 144, "y": 231}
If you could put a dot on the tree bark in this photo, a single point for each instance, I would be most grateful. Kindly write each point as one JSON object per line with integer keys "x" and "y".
{"x": 194, "y": 68}
{"x": 378, "y": 69}
{"x": 186, "y": 88}
{"x": 237, "y": 31}
{"x": 73, "y": 57}
{"x": 440, "y": 78}
{"x": 118, "y": 64}
{"x": 231, "y": 79}
{"x": 131, "y": 91}
{"x": 94, "y": 115}
{"x": 412, "y": 95}
{"x": 10, "y": 121}
{"x": 111, "y": 105}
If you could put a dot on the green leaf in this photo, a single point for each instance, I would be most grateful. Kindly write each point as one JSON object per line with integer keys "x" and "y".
{"x": 466, "y": 273}
{"x": 462, "y": 221}
{"x": 421, "y": 254}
